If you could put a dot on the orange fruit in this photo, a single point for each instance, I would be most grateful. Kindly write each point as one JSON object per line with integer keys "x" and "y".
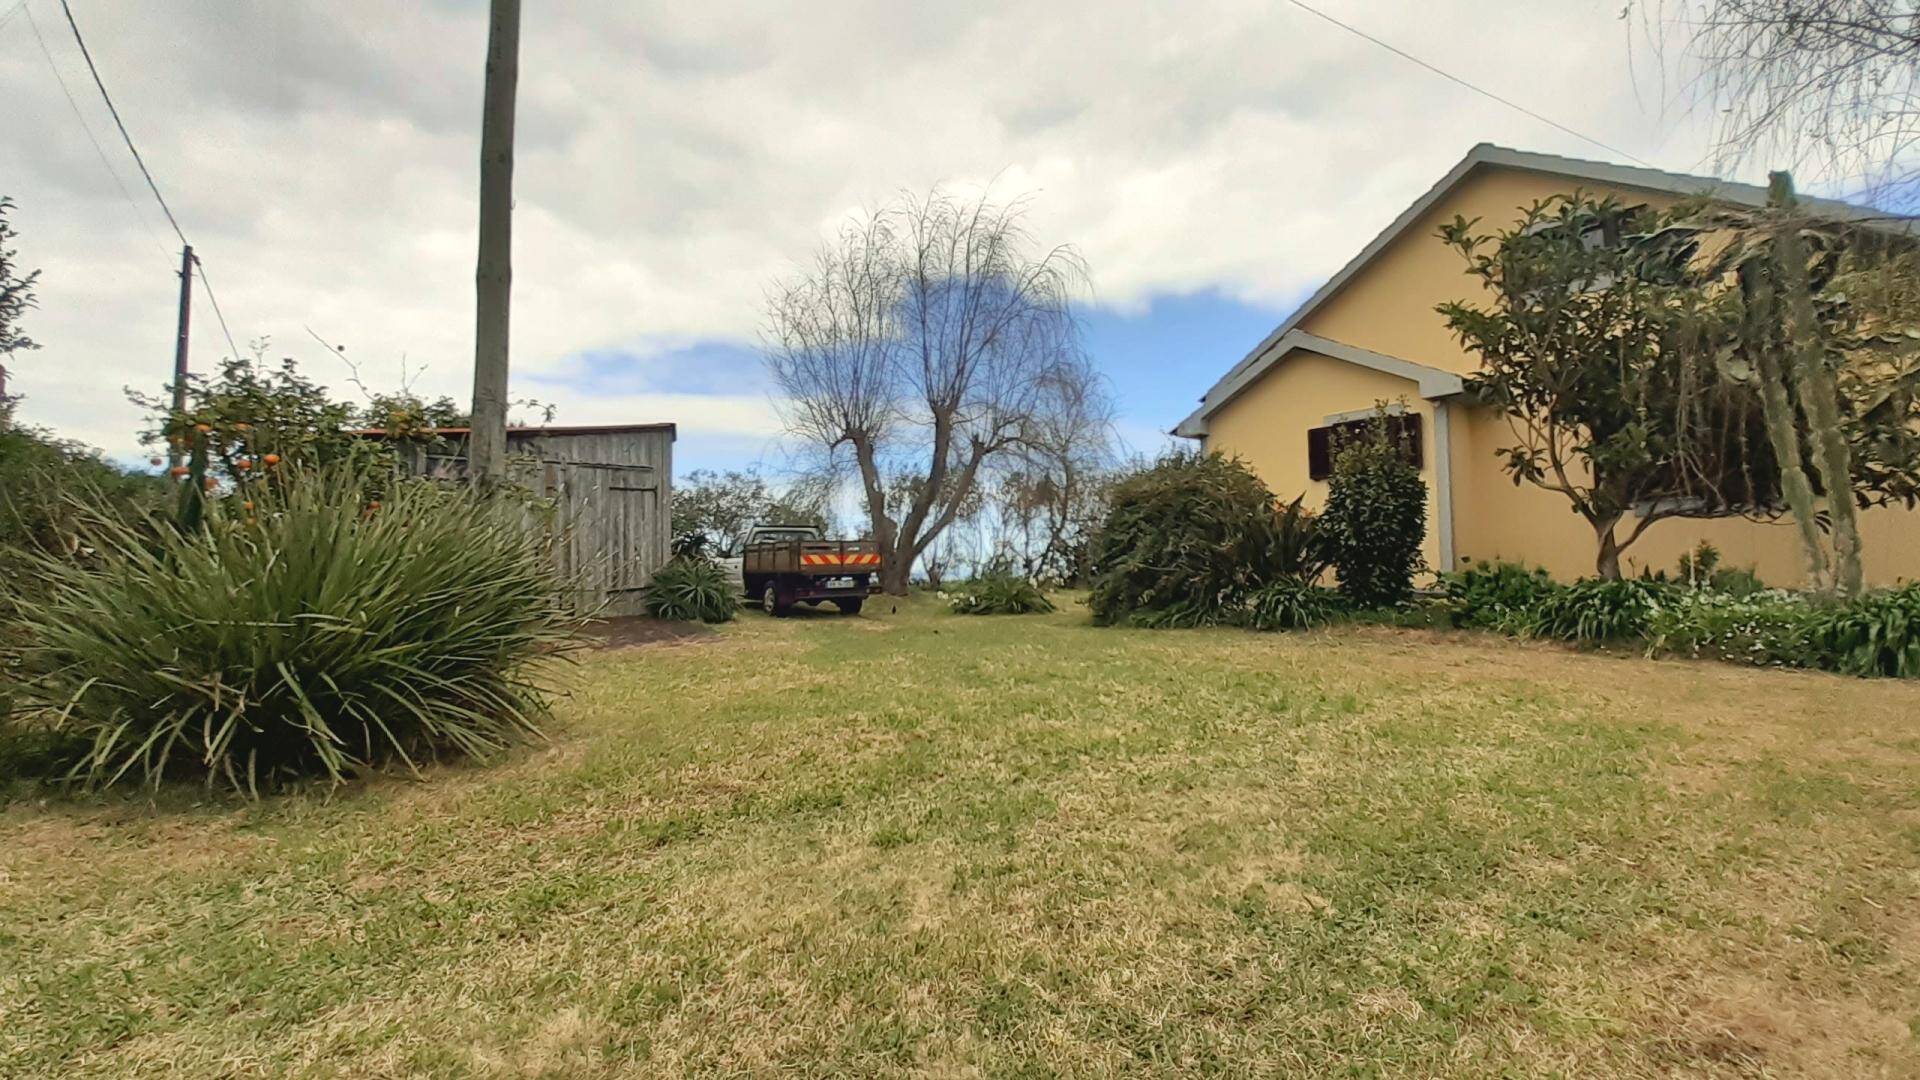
{"x": 178, "y": 470}
{"x": 248, "y": 505}
{"x": 243, "y": 464}
{"x": 203, "y": 428}
{"x": 271, "y": 459}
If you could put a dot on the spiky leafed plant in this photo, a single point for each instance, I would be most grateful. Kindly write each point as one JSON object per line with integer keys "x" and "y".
{"x": 692, "y": 588}
{"x": 314, "y": 634}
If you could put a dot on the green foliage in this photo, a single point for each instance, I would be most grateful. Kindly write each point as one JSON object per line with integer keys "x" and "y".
{"x": 1875, "y": 634}
{"x": 315, "y": 637}
{"x": 1299, "y": 543}
{"x": 1597, "y": 610}
{"x": 1761, "y": 628}
{"x": 1494, "y": 595}
{"x": 16, "y": 291}
{"x": 720, "y": 507}
{"x": 1375, "y": 520}
{"x": 1001, "y": 593}
{"x": 1291, "y": 603}
{"x": 692, "y": 589}
{"x": 1184, "y": 543}
{"x": 1701, "y": 569}
{"x": 1593, "y": 340}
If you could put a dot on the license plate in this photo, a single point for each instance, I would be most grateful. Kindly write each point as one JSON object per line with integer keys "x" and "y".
{"x": 838, "y": 583}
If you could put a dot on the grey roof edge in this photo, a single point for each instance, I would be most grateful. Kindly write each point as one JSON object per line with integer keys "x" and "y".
{"x": 1433, "y": 382}
{"x": 1488, "y": 154}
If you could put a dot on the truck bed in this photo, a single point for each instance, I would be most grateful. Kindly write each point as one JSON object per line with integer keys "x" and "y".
{"x": 820, "y": 558}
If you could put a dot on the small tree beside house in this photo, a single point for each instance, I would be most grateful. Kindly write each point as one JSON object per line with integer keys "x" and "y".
{"x": 1594, "y": 341}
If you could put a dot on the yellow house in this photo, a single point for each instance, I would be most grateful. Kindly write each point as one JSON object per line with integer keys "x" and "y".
{"x": 1371, "y": 335}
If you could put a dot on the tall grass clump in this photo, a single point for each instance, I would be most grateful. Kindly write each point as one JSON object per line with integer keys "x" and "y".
{"x": 999, "y": 593}
{"x": 1292, "y": 603}
{"x": 1597, "y": 610}
{"x": 315, "y": 635}
{"x": 1875, "y": 634}
{"x": 692, "y": 588}
{"x": 1494, "y": 595}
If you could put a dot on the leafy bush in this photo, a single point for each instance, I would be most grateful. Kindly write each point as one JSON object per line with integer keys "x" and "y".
{"x": 1375, "y": 520}
{"x": 1184, "y": 543}
{"x": 1299, "y": 543}
{"x": 1701, "y": 569}
{"x": 692, "y": 589}
{"x": 999, "y": 594}
{"x": 316, "y": 637}
{"x": 1765, "y": 629}
{"x": 1290, "y": 603}
{"x": 1876, "y": 634}
{"x": 1494, "y": 595}
{"x": 1596, "y": 610}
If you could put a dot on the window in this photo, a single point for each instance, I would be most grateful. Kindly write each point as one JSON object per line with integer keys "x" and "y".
{"x": 1325, "y": 443}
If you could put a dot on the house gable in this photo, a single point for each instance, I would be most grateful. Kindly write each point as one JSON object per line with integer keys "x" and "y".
{"x": 1382, "y": 301}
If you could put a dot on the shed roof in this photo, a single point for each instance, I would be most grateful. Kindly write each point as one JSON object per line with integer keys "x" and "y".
{"x": 671, "y": 430}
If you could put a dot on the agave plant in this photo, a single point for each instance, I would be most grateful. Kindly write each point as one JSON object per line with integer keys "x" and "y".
{"x": 313, "y": 635}
{"x": 692, "y": 589}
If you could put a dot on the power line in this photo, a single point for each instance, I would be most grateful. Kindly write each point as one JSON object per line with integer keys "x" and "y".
{"x": 137, "y": 159}
{"x": 98, "y": 150}
{"x": 1450, "y": 77}
{"x": 213, "y": 300}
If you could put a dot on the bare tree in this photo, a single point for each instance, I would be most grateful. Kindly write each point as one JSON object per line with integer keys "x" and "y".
{"x": 1826, "y": 85}
{"x": 927, "y": 338}
{"x": 1051, "y": 493}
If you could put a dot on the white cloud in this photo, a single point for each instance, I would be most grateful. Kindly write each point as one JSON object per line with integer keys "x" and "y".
{"x": 674, "y": 157}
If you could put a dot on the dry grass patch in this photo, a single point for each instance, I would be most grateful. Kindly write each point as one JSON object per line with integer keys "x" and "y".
{"x": 966, "y": 847}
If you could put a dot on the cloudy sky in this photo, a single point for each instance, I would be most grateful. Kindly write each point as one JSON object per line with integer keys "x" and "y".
{"x": 1212, "y": 161}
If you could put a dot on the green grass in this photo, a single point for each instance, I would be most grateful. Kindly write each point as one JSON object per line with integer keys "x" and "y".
{"x": 919, "y": 843}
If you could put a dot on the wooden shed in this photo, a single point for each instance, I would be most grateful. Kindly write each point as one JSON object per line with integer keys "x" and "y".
{"x": 612, "y": 490}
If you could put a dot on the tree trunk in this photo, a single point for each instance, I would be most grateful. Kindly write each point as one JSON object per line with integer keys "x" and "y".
{"x": 1819, "y": 395}
{"x": 493, "y": 278}
{"x": 1606, "y": 565}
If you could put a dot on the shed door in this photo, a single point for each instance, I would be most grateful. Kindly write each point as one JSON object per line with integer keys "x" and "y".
{"x": 611, "y": 530}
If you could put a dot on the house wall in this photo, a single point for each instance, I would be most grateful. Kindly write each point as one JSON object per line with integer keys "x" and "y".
{"x": 1267, "y": 424}
{"x": 1388, "y": 308}
{"x": 1495, "y": 519}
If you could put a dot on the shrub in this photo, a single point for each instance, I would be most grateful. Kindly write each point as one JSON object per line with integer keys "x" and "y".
{"x": 1876, "y": 634}
{"x": 1290, "y": 603}
{"x": 1494, "y": 595}
{"x": 1184, "y": 543}
{"x": 1299, "y": 543}
{"x": 1375, "y": 520}
{"x": 1596, "y": 610}
{"x": 1701, "y": 569}
{"x": 316, "y": 638}
{"x": 999, "y": 594}
{"x": 1765, "y": 629}
{"x": 692, "y": 589}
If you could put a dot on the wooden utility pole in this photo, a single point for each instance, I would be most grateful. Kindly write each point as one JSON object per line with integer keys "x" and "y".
{"x": 180, "y": 344}
{"x": 493, "y": 278}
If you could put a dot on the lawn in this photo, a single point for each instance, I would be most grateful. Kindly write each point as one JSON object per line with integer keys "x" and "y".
{"x": 918, "y": 843}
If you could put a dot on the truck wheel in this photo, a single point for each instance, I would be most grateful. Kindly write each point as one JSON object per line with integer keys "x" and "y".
{"x": 850, "y": 607}
{"x": 771, "y": 602}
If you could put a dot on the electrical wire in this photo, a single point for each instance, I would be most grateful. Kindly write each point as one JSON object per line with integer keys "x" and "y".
{"x": 213, "y": 300}
{"x": 99, "y": 150}
{"x": 134, "y": 150}
{"x": 1450, "y": 77}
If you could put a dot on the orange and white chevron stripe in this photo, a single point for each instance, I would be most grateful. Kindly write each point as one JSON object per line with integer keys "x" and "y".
{"x": 850, "y": 559}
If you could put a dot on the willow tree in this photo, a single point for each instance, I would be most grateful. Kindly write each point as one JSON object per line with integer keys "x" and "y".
{"x": 1590, "y": 340}
{"x": 927, "y": 340}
